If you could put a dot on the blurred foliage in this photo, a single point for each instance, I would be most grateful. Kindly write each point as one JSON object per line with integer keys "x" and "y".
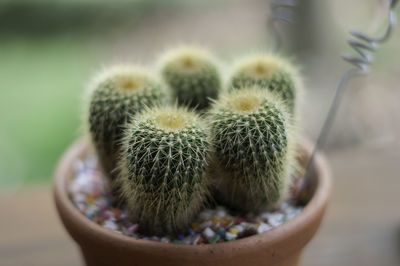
{"x": 41, "y": 83}
{"x": 40, "y": 18}
{"x": 44, "y": 17}
{"x": 48, "y": 51}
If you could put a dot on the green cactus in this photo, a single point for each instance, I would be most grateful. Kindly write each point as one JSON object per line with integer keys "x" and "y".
{"x": 269, "y": 71}
{"x": 192, "y": 76}
{"x": 116, "y": 94}
{"x": 250, "y": 131}
{"x": 162, "y": 169}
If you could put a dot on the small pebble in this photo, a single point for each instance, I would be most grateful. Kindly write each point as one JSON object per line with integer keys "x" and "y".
{"x": 275, "y": 219}
{"x": 221, "y": 232}
{"x": 263, "y": 227}
{"x": 230, "y": 236}
{"x": 214, "y": 239}
{"x": 191, "y": 231}
{"x": 110, "y": 225}
{"x": 208, "y": 233}
{"x": 196, "y": 239}
{"x": 221, "y": 212}
{"x": 249, "y": 231}
{"x": 233, "y": 231}
{"x": 91, "y": 211}
{"x": 239, "y": 227}
{"x": 132, "y": 229}
{"x": 241, "y": 220}
{"x": 164, "y": 239}
{"x": 81, "y": 207}
{"x": 187, "y": 240}
{"x": 215, "y": 219}
{"x": 201, "y": 240}
{"x": 195, "y": 227}
{"x": 205, "y": 225}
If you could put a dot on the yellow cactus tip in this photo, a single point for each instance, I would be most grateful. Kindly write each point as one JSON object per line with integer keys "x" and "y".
{"x": 245, "y": 100}
{"x": 171, "y": 121}
{"x": 263, "y": 68}
{"x": 172, "y": 118}
{"x": 130, "y": 82}
{"x": 258, "y": 66}
{"x": 187, "y": 58}
{"x": 188, "y": 61}
{"x": 247, "y": 103}
{"x": 124, "y": 77}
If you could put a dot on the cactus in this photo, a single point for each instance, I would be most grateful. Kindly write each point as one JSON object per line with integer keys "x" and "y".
{"x": 192, "y": 76}
{"x": 116, "y": 94}
{"x": 250, "y": 131}
{"x": 162, "y": 168}
{"x": 271, "y": 72}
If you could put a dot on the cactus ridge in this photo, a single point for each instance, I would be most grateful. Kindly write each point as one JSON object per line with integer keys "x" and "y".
{"x": 164, "y": 159}
{"x": 118, "y": 94}
{"x": 192, "y": 76}
{"x": 271, "y": 72}
{"x": 250, "y": 130}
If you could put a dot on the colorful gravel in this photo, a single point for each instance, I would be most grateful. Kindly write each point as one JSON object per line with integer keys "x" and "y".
{"x": 90, "y": 192}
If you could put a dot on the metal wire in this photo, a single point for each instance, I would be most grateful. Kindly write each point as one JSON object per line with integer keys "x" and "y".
{"x": 281, "y": 11}
{"x": 364, "y": 45}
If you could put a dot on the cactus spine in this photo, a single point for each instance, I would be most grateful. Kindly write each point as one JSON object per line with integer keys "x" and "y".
{"x": 192, "y": 76}
{"x": 271, "y": 72}
{"x": 117, "y": 94}
{"x": 162, "y": 168}
{"x": 250, "y": 132}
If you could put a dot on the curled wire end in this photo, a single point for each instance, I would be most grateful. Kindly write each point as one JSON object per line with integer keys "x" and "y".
{"x": 281, "y": 10}
{"x": 365, "y": 45}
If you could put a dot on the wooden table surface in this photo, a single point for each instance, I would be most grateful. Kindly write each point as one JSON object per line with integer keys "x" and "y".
{"x": 362, "y": 225}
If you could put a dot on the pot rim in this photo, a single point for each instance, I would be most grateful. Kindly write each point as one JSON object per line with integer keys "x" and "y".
{"x": 96, "y": 234}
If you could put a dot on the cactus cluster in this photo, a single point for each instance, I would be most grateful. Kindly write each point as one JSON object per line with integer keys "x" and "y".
{"x": 164, "y": 158}
{"x": 163, "y": 168}
{"x": 192, "y": 76}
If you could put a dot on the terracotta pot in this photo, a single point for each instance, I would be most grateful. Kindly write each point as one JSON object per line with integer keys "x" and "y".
{"x": 280, "y": 246}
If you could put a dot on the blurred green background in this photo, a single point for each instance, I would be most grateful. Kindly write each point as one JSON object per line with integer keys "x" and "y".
{"x": 50, "y": 49}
